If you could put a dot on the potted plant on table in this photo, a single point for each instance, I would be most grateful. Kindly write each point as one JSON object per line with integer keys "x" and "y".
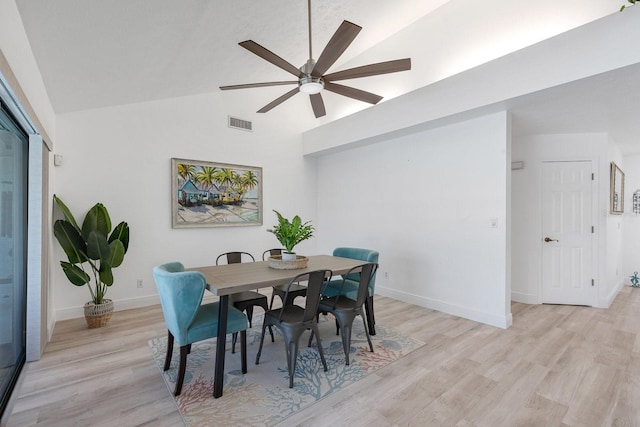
{"x": 290, "y": 233}
{"x": 93, "y": 251}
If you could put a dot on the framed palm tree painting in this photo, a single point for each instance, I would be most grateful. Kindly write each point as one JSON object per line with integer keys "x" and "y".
{"x": 208, "y": 194}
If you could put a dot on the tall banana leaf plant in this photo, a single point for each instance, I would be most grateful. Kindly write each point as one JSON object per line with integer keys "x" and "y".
{"x": 93, "y": 251}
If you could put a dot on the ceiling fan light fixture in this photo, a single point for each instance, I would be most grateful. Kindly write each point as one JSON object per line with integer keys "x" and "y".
{"x": 311, "y": 85}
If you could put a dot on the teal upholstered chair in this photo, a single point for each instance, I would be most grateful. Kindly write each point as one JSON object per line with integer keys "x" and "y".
{"x": 350, "y": 285}
{"x": 188, "y": 320}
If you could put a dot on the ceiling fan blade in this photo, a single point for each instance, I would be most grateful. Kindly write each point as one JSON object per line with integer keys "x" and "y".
{"x": 250, "y": 85}
{"x": 342, "y": 38}
{"x": 370, "y": 70}
{"x": 318, "y": 105}
{"x": 352, "y": 92}
{"x": 278, "y": 101}
{"x": 269, "y": 56}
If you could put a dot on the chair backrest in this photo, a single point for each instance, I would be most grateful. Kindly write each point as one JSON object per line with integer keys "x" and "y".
{"x": 367, "y": 255}
{"x": 234, "y": 257}
{"x": 365, "y": 273}
{"x": 180, "y": 294}
{"x": 316, "y": 281}
{"x": 271, "y": 252}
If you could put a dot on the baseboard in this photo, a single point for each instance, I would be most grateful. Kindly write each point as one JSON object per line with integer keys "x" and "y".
{"x": 606, "y": 302}
{"x": 456, "y": 310}
{"x": 525, "y": 298}
{"x": 125, "y": 304}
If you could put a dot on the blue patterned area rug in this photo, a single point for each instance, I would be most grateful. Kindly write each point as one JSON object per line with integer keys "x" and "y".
{"x": 262, "y": 396}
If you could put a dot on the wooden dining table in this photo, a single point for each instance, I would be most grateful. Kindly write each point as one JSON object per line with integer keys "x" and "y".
{"x": 224, "y": 280}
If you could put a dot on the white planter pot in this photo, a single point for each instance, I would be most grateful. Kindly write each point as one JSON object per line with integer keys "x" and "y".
{"x": 288, "y": 256}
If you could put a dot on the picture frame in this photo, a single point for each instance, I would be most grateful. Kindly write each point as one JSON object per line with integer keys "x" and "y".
{"x": 211, "y": 194}
{"x": 617, "y": 190}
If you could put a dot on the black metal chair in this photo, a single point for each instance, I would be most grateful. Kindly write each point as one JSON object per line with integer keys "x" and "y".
{"x": 350, "y": 285}
{"x": 293, "y": 320}
{"x": 345, "y": 309}
{"x": 246, "y": 300}
{"x": 296, "y": 290}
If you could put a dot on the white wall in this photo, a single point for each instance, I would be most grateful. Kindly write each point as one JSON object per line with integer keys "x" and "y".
{"x": 630, "y": 221}
{"x": 121, "y": 157}
{"x": 527, "y": 219}
{"x": 425, "y": 202}
{"x": 613, "y": 273}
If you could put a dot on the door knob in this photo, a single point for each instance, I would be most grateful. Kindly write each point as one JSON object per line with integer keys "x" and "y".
{"x": 548, "y": 239}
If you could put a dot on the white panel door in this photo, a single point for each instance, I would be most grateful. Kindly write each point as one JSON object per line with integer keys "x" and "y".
{"x": 567, "y": 236}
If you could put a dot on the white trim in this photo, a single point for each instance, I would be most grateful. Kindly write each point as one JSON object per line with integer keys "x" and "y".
{"x": 606, "y": 302}
{"x": 14, "y": 105}
{"x": 525, "y": 298}
{"x": 126, "y": 304}
{"x": 34, "y": 250}
{"x": 456, "y": 310}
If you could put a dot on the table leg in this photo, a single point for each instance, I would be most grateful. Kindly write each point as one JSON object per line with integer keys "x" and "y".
{"x": 218, "y": 378}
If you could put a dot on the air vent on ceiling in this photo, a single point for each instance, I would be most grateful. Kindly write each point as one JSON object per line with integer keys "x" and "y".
{"x": 237, "y": 123}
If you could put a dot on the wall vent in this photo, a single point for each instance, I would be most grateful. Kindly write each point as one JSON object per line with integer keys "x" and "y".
{"x": 237, "y": 123}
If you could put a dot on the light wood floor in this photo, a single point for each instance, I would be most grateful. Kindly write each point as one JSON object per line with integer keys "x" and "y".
{"x": 556, "y": 366}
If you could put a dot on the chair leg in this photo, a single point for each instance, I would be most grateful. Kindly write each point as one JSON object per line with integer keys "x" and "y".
{"x": 265, "y": 308}
{"x": 371, "y": 320}
{"x": 249, "y": 314}
{"x": 243, "y": 350}
{"x": 167, "y": 359}
{"x": 346, "y": 341}
{"x": 264, "y": 329}
{"x": 366, "y": 331}
{"x": 314, "y": 330}
{"x": 188, "y": 348}
{"x": 181, "y": 370}
{"x": 234, "y": 339}
{"x": 292, "y": 354}
{"x": 273, "y": 294}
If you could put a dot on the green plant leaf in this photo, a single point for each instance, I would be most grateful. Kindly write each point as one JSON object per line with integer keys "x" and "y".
{"x": 117, "y": 253}
{"x": 97, "y": 219}
{"x": 121, "y": 232}
{"x": 70, "y": 241}
{"x": 289, "y": 234}
{"x": 66, "y": 212}
{"x": 75, "y": 274}
{"x": 106, "y": 274}
{"x": 98, "y": 247}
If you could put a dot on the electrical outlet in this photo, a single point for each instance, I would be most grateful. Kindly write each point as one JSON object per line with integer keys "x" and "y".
{"x": 139, "y": 283}
{"x": 386, "y": 275}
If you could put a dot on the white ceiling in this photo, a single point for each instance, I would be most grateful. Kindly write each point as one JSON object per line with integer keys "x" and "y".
{"x": 96, "y": 53}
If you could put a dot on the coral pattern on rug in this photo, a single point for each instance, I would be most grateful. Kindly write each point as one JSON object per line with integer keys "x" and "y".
{"x": 262, "y": 396}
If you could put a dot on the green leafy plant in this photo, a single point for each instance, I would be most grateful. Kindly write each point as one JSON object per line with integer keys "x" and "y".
{"x": 91, "y": 251}
{"x": 632, "y": 2}
{"x": 290, "y": 233}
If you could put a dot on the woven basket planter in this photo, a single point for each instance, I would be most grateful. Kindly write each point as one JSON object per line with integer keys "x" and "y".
{"x": 98, "y": 315}
{"x": 296, "y": 264}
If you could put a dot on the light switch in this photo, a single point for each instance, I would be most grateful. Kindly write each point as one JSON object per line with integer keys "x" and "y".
{"x": 57, "y": 160}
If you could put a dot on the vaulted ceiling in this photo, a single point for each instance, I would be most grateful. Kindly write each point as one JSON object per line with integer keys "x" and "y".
{"x": 96, "y": 53}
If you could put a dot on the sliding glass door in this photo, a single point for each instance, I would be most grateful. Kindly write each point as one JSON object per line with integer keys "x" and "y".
{"x": 13, "y": 249}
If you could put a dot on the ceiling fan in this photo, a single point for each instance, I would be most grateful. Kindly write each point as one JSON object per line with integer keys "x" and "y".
{"x": 311, "y": 76}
